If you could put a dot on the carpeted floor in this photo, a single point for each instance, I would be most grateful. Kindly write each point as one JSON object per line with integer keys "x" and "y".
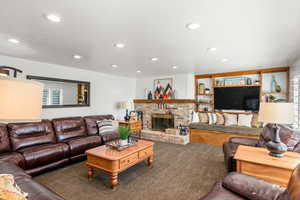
{"x": 179, "y": 172}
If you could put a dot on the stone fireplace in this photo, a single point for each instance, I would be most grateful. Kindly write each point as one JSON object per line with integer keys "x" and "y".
{"x": 161, "y": 121}
{"x": 159, "y": 115}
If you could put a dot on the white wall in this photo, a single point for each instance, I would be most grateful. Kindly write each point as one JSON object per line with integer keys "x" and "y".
{"x": 106, "y": 90}
{"x": 294, "y": 71}
{"x": 182, "y": 83}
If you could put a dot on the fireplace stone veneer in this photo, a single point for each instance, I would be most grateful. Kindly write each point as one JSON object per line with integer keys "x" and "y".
{"x": 181, "y": 112}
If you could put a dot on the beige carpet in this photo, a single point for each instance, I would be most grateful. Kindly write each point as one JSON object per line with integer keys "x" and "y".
{"x": 179, "y": 173}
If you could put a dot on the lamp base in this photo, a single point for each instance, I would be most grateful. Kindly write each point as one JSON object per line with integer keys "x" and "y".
{"x": 276, "y": 147}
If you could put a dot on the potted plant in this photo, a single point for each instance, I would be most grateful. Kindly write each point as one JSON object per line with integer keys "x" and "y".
{"x": 124, "y": 133}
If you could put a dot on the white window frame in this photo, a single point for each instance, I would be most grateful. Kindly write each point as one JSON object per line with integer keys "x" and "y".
{"x": 50, "y": 99}
{"x": 296, "y": 97}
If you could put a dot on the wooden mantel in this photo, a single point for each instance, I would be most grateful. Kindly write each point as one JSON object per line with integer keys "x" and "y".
{"x": 164, "y": 101}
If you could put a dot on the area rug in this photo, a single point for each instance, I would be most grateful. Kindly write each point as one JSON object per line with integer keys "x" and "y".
{"x": 179, "y": 172}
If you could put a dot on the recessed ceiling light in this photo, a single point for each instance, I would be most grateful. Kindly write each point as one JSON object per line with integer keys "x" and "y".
{"x": 138, "y": 71}
{"x": 120, "y": 45}
{"x": 193, "y": 26}
{"x": 114, "y": 66}
{"x": 13, "y": 40}
{"x": 224, "y": 60}
{"x": 76, "y": 56}
{"x": 212, "y": 49}
{"x": 53, "y": 18}
{"x": 174, "y": 67}
{"x": 154, "y": 59}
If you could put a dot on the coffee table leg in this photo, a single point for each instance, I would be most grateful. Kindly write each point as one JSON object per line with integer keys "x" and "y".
{"x": 114, "y": 180}
{"x": 90, "y": 172}
{"x": 150, "y": 161}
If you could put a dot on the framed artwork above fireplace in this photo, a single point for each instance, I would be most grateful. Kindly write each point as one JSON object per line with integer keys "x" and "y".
{"x": 163, "y": 88}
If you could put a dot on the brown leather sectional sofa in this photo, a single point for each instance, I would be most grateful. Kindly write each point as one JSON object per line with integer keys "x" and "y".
{"x": 29, "y": 149}
{"x": 237, "y": 186}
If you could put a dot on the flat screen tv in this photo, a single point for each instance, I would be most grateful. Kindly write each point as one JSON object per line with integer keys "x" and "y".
{"x": 237, "y": 98}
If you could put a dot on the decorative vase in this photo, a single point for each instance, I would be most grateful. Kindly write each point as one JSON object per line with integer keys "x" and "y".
{"x": 127, "y": 117}
{"x": 275, "y": 146}
{"x": 273, "y": 84}
{"x": 150, "y": 97}
{"x": 124, "y": 142}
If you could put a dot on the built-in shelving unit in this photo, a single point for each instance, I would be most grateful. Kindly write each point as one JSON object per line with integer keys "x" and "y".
{"x": 206, "y": 83}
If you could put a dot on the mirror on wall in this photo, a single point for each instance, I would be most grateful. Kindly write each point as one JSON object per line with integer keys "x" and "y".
{"x": 63, "y": 93}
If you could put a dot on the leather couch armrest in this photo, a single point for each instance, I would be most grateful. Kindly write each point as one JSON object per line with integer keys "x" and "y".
{"x": 297, "y": 148}
{"x": 250, "y": 187}
{"x": 244, "y": 141}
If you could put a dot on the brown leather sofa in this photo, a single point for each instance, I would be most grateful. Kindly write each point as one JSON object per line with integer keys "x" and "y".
{"x": 38, "y": 147}
{"x": 288, "y": 136}
{"x": 237, "y": 186}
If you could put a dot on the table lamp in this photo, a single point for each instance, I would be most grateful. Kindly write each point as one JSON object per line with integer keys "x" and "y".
{"x": 126, "y": 105}
{"x": 20, "y": 101}
{"x": 276, "y": 113}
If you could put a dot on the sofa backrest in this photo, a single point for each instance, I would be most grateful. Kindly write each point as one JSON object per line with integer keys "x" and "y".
{"x": 91, "y": 122}
{"x": 66, "y": 128}
{"x": 4, "y": 140}
{"x": 30, "y": 134}
{"x": 287, "y": 135}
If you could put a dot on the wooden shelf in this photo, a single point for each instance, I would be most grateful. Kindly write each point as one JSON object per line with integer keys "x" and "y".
{"x": 164, "y": 101}
{"x": 205, "y": 94}
{"x": 264, "y": 93}
{"x": 226, "y": 112}
{"x": 204, "y": 103}
{"x": 225, "y": 86}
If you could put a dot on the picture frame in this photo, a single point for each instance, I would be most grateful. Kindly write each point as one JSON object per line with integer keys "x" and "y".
{"x": 163, "y": 88}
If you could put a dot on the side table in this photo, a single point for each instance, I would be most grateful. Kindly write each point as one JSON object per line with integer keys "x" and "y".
{"x": 134, "y": 126}
{"x": 254, "y": 161}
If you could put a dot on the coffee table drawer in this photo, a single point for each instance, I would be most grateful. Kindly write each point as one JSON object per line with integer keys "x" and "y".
{"x": 145, "y": 153}
{"x": 124, "y": 162}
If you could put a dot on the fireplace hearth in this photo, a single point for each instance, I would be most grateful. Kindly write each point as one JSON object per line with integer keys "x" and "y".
{"x": 162, "y": 121}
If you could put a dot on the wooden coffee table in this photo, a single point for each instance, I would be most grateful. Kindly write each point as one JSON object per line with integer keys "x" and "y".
{"x": 113, "y": 162}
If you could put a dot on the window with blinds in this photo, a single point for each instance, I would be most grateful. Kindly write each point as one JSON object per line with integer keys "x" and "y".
{"x": 52, "y": 96}
{"x": 296, "y": 97}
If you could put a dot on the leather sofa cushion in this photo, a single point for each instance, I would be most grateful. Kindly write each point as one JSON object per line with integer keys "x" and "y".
{"x": 30, "y": 134}
{"x": 44, "y": 154}
{"x": 109, "y": 136}
{"x": 79, "y": 145}
{"x": 10, "y": 168}
{"x": 67, "y": 128}
{"x": 218, "y": 192}
{"x": 251, "y": 187}
{"x": 91, "y": 122}
{"x": 35, "y": 190}
{"x": 13, "y": 157}
{"x": 4, "y": 140}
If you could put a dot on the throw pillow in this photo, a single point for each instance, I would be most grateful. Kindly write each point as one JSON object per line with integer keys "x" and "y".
{"x": 106, "y": 126}
{"x": 220, "y": 119}
{"x": 9, "y": 190}
{"x": 255, "y": 123}
{"x": 212, "y": 118}
{"x": 245, "y": 120}
{"x": 203, "y": 117}
{"x": 230, "y": 119}
{"x": 195, "y": 117}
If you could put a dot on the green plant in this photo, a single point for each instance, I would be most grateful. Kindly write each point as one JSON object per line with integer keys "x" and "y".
{"x": 124, "y": 132}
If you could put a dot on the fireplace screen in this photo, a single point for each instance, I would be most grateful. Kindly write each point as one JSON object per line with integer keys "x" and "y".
{"x": 160, "y": 122}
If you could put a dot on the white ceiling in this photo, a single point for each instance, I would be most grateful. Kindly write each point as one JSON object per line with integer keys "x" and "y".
{"x": 250, "y": 33}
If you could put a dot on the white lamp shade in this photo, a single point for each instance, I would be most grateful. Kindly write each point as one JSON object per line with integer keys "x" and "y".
{"x": 276, "y": 113}
{"x": 126, "y": 105}
{"x": 20, "y": 101}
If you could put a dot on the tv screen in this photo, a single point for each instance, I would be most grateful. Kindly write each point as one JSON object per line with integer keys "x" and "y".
{"x": 237, "y": 98}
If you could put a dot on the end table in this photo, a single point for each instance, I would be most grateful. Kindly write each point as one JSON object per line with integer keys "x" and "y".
{"x": 254, "y": 161}
{"x": 134, "y": 126}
